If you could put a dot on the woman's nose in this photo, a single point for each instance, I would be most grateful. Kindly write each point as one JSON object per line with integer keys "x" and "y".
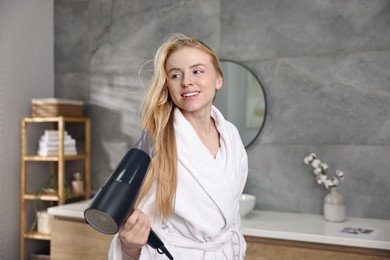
{"x": 187, "y": 80}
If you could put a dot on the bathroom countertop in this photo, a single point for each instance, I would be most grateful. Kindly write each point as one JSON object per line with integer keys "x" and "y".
{"x": 287, "y": 226}
{"x": 315, "y": 229}
{"x": 71, "y": 210}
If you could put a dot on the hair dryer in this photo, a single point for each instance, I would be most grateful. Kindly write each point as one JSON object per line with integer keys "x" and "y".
{"x": 114, "y": 202}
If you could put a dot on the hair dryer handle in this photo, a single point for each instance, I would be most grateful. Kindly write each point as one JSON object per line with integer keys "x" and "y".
{"x": 155, "y": 242}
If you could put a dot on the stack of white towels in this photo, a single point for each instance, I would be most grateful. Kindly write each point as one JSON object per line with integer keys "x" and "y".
{"x": 48, "y": 144}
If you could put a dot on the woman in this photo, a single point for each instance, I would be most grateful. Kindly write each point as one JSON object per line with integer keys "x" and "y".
{"x": 191, "y": 195}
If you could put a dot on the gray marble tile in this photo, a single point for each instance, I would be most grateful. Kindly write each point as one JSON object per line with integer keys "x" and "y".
{"x": 72, "y": 85}
{"x": 282, "y": 28}
{"x": 143, "y": 25}
{"x": 71, "y": 50}
{"x": 341, "y": 99}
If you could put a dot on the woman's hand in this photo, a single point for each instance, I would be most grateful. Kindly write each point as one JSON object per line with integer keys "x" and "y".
{"x": 134, "y": 233}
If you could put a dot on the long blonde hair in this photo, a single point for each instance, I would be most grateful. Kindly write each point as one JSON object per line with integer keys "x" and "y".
{"x": 158, "y": 119}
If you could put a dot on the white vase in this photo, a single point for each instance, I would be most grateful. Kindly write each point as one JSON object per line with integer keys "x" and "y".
{"x": 334, "y": 206}
{"x": 44, "y": 222}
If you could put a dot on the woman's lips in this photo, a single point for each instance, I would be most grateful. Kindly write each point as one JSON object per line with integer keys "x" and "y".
{"x": 191, "y": 94}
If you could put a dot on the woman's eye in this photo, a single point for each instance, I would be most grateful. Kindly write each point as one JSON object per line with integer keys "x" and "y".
{"x": 175, "y": 76}
{"x": 198, "y": 71}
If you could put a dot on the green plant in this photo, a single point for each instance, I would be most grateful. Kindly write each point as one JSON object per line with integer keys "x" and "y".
{"x": 50, "y": 186}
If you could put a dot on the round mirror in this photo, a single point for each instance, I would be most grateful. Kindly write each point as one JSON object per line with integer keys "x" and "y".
{"x": 242, "y": 100}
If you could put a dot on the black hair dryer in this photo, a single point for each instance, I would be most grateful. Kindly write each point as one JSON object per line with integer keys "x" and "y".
{"x": 114, "y": 202}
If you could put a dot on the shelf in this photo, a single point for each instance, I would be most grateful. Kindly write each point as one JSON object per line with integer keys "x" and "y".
{"x": 36, "y": 235}
{"x": 55, "y": 119}
{"x": 51, "y": 197}
{"x": 54, "y": 158}
{"x": 57, "y": 168}
{"x": 45, "y": 197}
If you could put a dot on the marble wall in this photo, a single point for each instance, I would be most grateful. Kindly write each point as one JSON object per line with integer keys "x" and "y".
{"x": 325, "y": 67}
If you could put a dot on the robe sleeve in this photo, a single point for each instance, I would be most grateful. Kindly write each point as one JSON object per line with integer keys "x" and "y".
{"x": 115, "y": 251}
{"x": 147, "y": 206}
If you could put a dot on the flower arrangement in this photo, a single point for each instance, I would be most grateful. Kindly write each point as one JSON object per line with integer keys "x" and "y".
{"x": 320, "y": 169}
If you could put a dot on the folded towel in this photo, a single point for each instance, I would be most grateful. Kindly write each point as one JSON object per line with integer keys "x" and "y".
{"x": 53, "y": 148}
{"x": 54, "y": 143}
{"x": 45, "y": 152}
{"x": 54, "y": 138}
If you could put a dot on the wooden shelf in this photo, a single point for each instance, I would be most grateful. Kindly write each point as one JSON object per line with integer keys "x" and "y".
{"x": 36, "y": 235}
{"x": 51, "y": 197}
{"x": 57, "y": 169}
{"x": 55, "y": 119}
{"x": 54, "y": 158}
{"x": 45, "y": 197}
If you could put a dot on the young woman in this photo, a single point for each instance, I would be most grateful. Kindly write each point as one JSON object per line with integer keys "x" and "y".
{"x": 191, "y": 195}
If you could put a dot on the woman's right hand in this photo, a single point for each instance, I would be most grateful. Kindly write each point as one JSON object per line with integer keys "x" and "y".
{"x": 134, "y": 233}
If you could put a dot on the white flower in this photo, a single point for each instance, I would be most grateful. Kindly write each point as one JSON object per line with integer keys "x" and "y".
{"x": 340, "y": 174}
{"x": 316, "y": 163}
{"x": 320, "y": 169}
{"x": 324, "y": 166}
{"x": 317, "y": 171}
{"x": 323, "y": 177}
{"x": 328, "y": 183}
{"x": 308, "y": 159}
{"x": 335, "y": 181}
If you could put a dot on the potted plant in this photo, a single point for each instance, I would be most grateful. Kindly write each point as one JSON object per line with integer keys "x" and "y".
{"x": 42, "y": 219}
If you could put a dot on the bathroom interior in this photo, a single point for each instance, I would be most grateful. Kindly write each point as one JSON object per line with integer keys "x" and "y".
{"x": 322, "y": 69}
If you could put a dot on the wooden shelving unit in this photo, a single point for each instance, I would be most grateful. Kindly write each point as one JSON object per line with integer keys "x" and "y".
{"x": 57, "y": 166}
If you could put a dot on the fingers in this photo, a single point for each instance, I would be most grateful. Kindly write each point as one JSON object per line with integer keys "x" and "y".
{"x": 134, "y": 233}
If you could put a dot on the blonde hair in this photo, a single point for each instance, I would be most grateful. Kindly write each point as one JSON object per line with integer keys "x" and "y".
{"x": 158, "y": 119}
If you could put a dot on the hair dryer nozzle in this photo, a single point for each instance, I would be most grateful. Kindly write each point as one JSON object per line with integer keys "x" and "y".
{"x": 111, "y": 207}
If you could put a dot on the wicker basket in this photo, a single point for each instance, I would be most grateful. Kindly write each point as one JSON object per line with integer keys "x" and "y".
{"x": 52, "y": 107}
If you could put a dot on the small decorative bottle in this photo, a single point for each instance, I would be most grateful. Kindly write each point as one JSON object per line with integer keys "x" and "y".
{"x": 77, "y": 184}
{"x": 334, "y": 206}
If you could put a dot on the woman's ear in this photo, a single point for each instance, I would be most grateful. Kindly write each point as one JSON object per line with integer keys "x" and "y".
{"x": 219, "y": 82}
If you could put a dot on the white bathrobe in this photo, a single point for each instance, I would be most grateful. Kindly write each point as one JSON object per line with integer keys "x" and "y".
{"x": 206, "y": 223}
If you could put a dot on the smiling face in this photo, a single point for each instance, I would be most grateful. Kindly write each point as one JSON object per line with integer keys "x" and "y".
{"x": 192, "y": 80}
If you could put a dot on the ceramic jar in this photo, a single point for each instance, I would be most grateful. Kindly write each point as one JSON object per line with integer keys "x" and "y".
{"x": 44, "y": 222}
{"x": 334, "y": 206}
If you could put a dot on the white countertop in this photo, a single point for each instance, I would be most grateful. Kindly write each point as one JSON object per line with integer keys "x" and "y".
{"x": 287, "y": 226}
{"x": 314, "y": 228}
{"x": 71, "y": 210}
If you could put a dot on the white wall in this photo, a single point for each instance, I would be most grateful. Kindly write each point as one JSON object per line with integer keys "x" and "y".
{"x": 26, "y": 72}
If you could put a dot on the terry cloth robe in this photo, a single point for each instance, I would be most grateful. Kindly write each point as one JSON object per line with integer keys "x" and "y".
{"x": 206, "y": 223}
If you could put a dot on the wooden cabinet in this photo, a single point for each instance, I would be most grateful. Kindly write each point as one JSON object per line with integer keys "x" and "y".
{"x": 75, "y": 239}
{"x": 277, "y": 249}
{"x": 57, "y": 168}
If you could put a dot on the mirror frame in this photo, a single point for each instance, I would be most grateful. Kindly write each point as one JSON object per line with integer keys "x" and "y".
{"x": 264, "y": 95}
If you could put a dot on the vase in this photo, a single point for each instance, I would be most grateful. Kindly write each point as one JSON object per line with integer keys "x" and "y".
{"x": 334, "y": 206}
{"x": 44, "y": 222}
